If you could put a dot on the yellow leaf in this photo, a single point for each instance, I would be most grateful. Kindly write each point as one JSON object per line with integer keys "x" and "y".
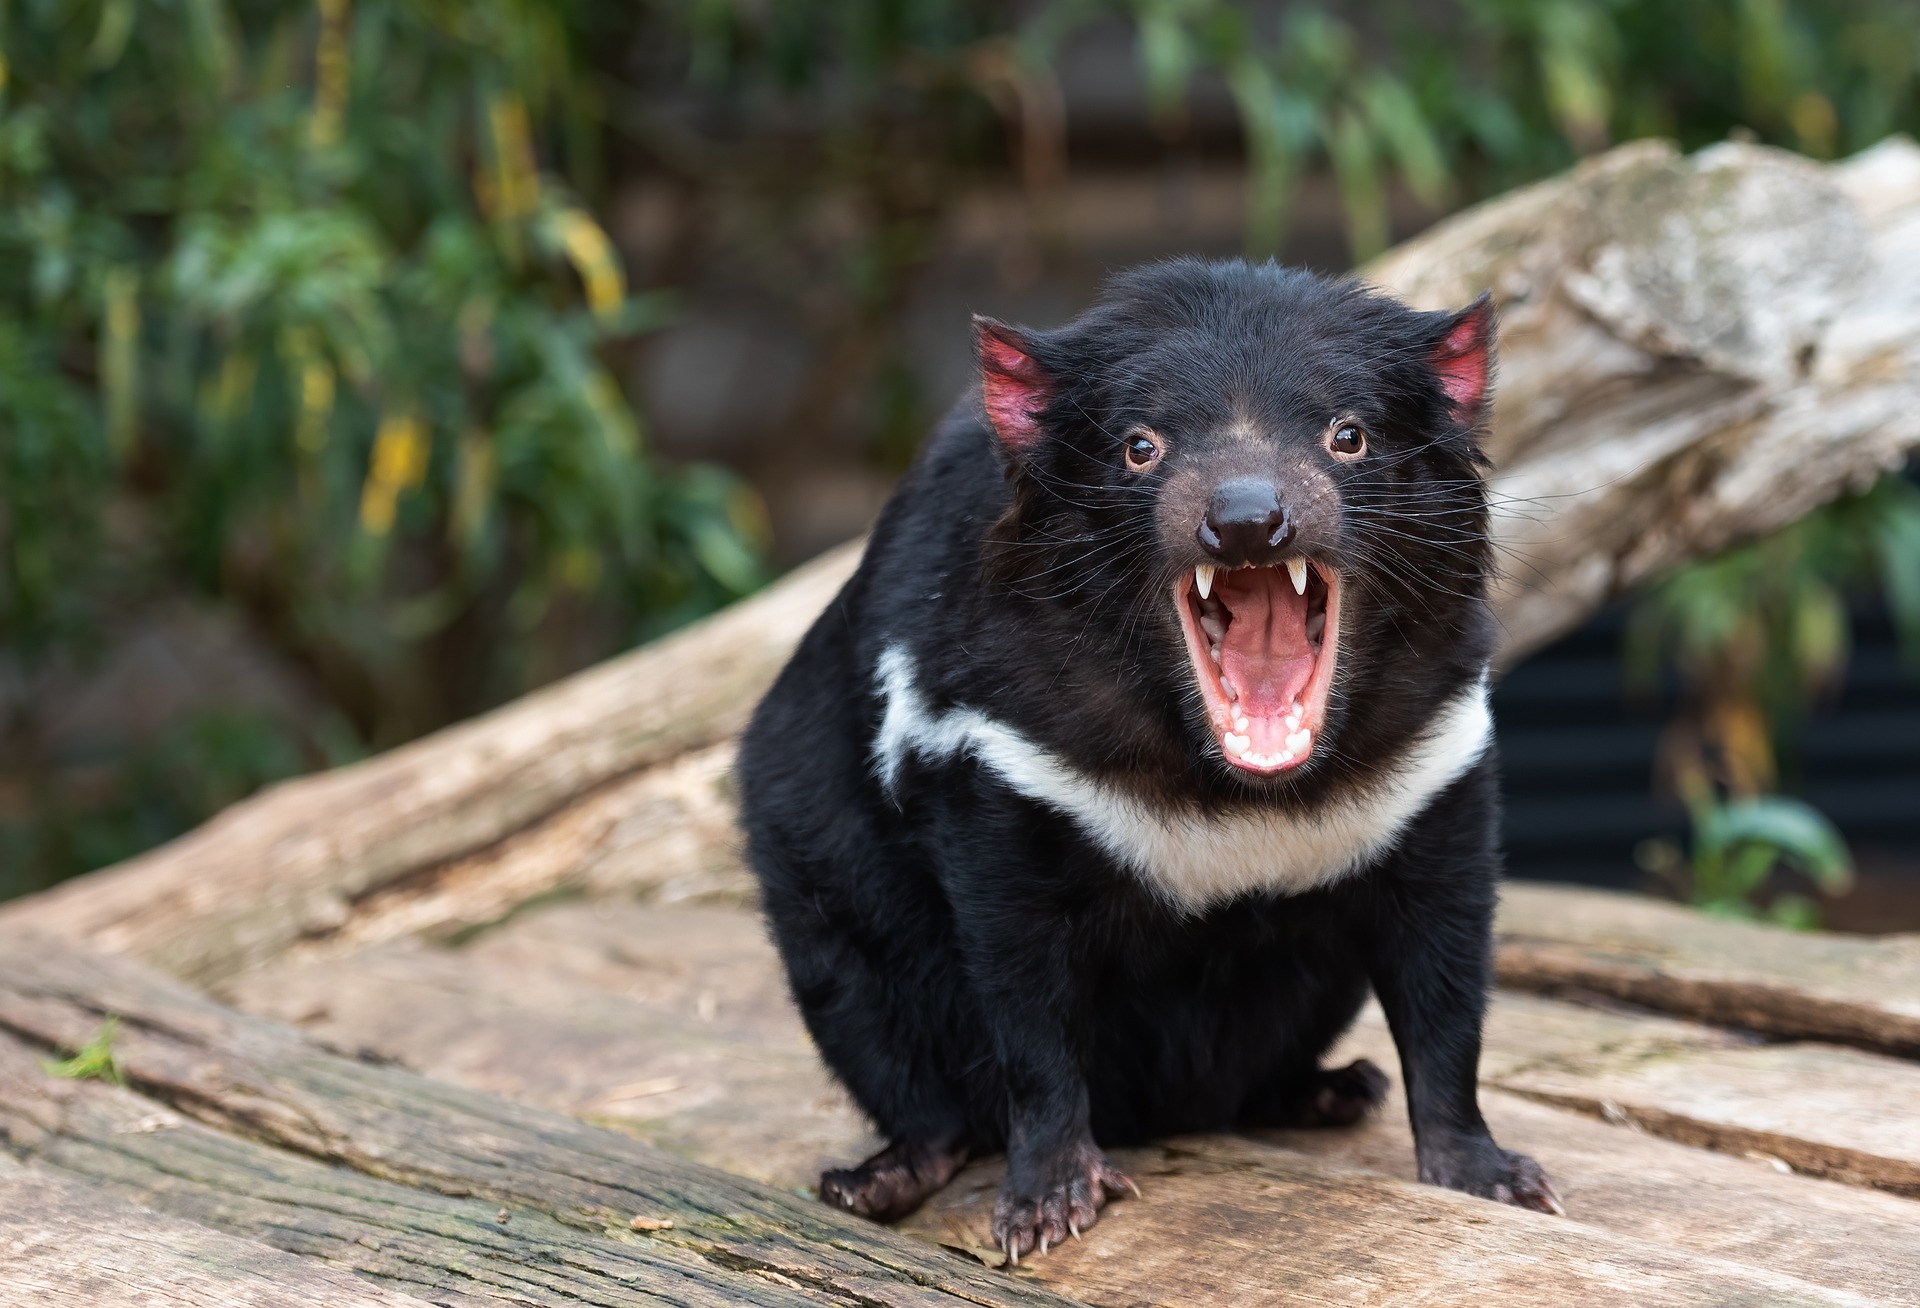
{"x": 516, "y": 189}
{"x": 592, "y": 256}
{"x": 399, "y": 464}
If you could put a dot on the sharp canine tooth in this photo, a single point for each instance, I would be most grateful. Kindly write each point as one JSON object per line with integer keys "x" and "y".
{"x": 1297, "y": 568}
{"x": 1203, "y": 578}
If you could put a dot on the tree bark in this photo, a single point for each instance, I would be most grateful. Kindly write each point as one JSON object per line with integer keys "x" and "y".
{"x": 1693, "y": 351}
{"x": 251, "y": 1129}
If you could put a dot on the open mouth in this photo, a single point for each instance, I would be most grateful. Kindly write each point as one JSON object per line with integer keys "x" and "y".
{"x": 1263, "y": 643}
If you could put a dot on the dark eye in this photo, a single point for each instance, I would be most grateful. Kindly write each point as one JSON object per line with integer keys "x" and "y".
{"x": 1143, "y": 450}
{"x": 1347, "y": 440}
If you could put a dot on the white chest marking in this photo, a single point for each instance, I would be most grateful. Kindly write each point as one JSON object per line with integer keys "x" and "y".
{"x": 1192, "y": 858}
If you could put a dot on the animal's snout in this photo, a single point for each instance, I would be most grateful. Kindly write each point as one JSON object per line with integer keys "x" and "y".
{"x": 1246, "y": 525}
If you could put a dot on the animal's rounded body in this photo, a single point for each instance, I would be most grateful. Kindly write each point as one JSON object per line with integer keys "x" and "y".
{"x": 1151, "y": 733}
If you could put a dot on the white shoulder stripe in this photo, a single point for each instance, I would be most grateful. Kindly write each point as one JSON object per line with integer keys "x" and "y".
{"x": 1192, "y": 858}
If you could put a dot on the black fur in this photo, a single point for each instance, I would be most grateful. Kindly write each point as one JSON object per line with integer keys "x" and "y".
{"x": 979, "y": 973}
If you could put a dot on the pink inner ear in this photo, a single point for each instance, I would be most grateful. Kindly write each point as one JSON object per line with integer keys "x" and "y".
{"x": 1016, "y": 390}
{"x": 1461, "y": 361}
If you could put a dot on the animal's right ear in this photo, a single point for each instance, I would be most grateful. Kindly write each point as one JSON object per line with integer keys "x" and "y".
{"x": 1016, "y": 388}
{"x": 1463, "y": 359}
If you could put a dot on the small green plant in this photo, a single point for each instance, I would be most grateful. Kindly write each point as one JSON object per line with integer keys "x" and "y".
{"x": 1754, "y": 638}
{"x": 1738, "y": 845}
{"x": 93, "y": 1061}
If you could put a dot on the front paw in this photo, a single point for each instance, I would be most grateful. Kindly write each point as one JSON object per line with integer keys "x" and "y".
{"x": 1479, "y": 1166}
{"x": 1038, "y": 1207}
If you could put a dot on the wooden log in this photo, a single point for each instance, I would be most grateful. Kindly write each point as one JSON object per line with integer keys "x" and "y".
{"x": 1693, "y": 350}
{"x": 674, "y": 1025}
{"x": 1795, "y": 984}
{"x": 1254, "y": 1225}
{"x": 669, "y": 1025}
{"x": 67, "y": 1245}
{"x": 1741, "y": 1209}
{"x": 247, "y": 1124}
{"x": 665, "y": 835}
{"x": 289, "y": 864}
{"x": 1821, "y": 1109}
{"x": 429, "y": 1244}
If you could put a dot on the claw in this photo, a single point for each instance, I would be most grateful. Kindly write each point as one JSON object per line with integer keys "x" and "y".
{"x": 1552, "y": 1197}
{"x": 1043, "y": 1244}
{"x": 1073, "y": 1228}
{"x": 1128, "y": 1182}
{"x": 1013, "y": 1250}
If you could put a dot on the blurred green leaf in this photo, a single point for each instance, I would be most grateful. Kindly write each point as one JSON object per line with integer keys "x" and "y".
{"x": 1738, "y": 842}
{"x": 299, "y": 317}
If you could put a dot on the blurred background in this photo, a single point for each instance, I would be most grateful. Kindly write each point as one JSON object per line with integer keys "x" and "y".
{"x": 367, "y": 363}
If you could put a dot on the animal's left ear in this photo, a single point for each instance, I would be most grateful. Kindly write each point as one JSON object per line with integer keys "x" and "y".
{"x": 1462, "y": 356}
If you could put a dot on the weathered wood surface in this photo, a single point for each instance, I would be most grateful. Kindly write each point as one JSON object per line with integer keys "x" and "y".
{"x": 1783, "y": 983}
{"x": 1235, "y": 1222}
{"x": 673, "y": 1024}
{"x": 247, "y": 1125}
{"x": 1692, "y": 351}
{"x": 1821, "y": 1109}
{"x": 1737, "y": 1207}
{"x": 64, "y": 1244}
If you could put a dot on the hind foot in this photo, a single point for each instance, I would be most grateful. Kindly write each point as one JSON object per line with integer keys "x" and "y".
{"x": 894, "y": 1181}
{"x": 1335, "y": 1096}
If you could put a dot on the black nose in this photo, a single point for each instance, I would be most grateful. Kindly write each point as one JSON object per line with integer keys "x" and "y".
{"x": 1246, "y": 523}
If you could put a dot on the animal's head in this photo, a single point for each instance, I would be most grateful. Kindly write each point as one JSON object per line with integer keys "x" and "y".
{"x": 1263, "y": 487}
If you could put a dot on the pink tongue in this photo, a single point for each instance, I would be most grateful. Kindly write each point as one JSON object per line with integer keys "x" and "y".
{"x": 1265, "y": 652}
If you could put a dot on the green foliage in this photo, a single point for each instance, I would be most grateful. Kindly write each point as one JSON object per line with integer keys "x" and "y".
{"x": 1737, "y": 846}
{"x": 1756, "y": 635}
{"x": 302, "y": 307}
{"x": 1486, "y": 93}
{"x": 93, "y": 1061}
{"x": 1767, "y": 622}
{"x": 1774, "y": 612}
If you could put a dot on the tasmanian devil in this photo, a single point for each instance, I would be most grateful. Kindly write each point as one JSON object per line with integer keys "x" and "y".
{"x": 1150, "y": 733}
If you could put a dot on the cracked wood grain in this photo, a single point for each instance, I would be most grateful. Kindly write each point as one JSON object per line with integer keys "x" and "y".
{"x": 248, "y": 1125}
{"x": 64, "y": 1244}
{"x": 1844, "y": 989}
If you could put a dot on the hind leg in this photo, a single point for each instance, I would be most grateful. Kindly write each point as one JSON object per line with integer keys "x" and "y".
{"x": 1322, "y": 1096}
{"x": 895, "y": 1181}
{"x": 1298, "y": 1091}
{"x": 894, "y": 1035}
